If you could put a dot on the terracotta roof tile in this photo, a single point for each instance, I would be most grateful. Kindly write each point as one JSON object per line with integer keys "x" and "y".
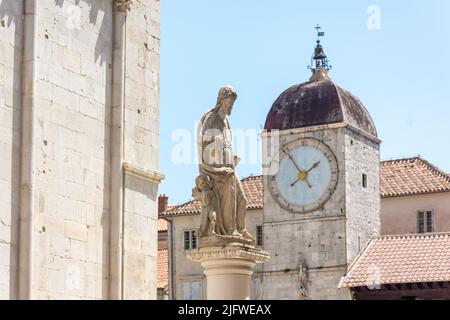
{"x": 411, "y": 176}
{"x": 253, "y": 189}
{"x": 162, "y": 225}
{"x": 415, "y": 258}
{"x": 163, "y": 268}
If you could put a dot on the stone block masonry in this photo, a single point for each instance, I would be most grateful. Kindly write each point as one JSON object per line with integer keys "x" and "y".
{"x": 71, "y": 209}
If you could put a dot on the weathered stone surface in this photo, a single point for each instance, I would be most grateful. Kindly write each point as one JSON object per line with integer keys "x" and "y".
{"x": 328, "y": 239}
{"x": 11, "y": 38}
{"x": 73, "y": 144}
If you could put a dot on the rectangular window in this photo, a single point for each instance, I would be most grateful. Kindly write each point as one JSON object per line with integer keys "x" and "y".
{"x": 190, "y": 240}
{"x": 192, "y": 290}
{"x": 429, "y": 218}
{"x": 364, "y": 180}
{"x": 259, "y": 236}
{"x": 186, "y": 240}
{"x": 420, "y": 222}
{"x": 193, "y": 240}
{"x": 425, "y": 221}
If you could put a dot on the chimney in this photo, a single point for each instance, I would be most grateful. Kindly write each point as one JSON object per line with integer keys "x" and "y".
{"x": 163, "y": 203}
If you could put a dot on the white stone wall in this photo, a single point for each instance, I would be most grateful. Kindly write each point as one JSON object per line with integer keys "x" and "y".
{"x": 363, "y": 204}
{"x": 321, "y": 285}
{"x": 71, "y": 234}
{"x": 71, "y": 230}
{"x": 11, "y": 34}
{"x": 328, "y": 238}
{"x": 141, "y": 133}
{"x": 186, "y": 270}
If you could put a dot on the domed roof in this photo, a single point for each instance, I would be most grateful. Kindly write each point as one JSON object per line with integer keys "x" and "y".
{"x": 317, "y": 103}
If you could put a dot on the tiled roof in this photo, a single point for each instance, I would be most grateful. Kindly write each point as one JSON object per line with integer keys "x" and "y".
{"x": 411, "y": 176}
{"x": 401, "y": 259}
{"x": 163, "y": 268}
{"x": 253, "y": 189}
{"x": 162, "y": 225}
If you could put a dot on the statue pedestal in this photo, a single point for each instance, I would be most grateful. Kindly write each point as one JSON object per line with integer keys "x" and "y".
{"x": 228, "y": 269}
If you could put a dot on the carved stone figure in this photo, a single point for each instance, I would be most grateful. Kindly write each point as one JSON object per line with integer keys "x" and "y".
{"x": 217, "y": 162}
{"x": 302, "y": 281}
{"x": 205, "y": 194}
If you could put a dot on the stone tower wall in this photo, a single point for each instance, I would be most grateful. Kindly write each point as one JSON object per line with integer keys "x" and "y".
{"x": 328, "y": 239}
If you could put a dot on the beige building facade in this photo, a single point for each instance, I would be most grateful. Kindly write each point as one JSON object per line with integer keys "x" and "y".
{"x": 79, "y": 130}
{"x": 415, "y": 197}
{"x": 399, "y": 215}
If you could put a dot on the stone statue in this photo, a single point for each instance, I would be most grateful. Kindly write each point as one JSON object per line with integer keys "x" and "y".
{"x": 204, "y": 192}
{"x": 218, "y": 187}
{"x": 303, "y": 281}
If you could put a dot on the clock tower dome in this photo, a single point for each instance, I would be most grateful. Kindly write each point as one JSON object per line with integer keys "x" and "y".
{"x": 321, "y": 186}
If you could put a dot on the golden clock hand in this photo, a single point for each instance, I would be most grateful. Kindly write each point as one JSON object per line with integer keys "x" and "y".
{"x": 315, "y": 165}
{"x": 300, "y": 179}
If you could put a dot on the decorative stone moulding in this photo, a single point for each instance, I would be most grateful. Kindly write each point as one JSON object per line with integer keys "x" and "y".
{"x": 142, "y": 173}
{"x": 122, "y": 5}
{"x": 230, "y": 251}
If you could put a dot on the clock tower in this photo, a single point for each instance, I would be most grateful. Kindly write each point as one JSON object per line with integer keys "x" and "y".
{"x": 321, "y": 187}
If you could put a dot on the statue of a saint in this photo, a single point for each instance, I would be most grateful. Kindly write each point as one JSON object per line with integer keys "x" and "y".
{"x": 218, "y": 187}
{"x": 303, "y": 281}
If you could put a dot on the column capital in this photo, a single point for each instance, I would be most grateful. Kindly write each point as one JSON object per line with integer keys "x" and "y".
{"x": 232, "y": 251}
{"x": 122, "y": 5}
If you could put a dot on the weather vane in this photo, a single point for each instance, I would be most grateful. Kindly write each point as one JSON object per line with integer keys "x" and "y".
{"x": 319, "y": 59}
{"x": 319, "y": 33}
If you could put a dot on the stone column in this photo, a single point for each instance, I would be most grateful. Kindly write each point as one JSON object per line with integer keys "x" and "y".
{"x": 228, "y": 269}
{"x": 120, "y": 9}
{"x": 27, "y": 184}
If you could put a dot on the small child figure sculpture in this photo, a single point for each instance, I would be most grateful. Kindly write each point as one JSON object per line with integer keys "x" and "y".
{"x": 204, "y": 193}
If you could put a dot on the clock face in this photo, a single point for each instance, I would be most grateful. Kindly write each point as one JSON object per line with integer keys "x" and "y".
{"x": 306, "y": 175}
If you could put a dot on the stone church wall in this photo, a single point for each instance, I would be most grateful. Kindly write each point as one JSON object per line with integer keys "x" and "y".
{"x": 141, "y": 133}
{"x": 71, "y": 222}
{"x": 11, "y": 34}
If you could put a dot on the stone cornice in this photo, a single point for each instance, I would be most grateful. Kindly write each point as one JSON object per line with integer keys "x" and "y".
{"x": 322, "y": 127}
{"x": 122, "y": 5}
{"x": 142, "y": 173}
{"x": 228, "y": 252}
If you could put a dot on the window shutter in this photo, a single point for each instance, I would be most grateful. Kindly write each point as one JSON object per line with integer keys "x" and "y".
{"x": 259, "y": 236}
{"x": 192, "y": 290}
{"x": 197, "y": 290}
{"x": 420, "y": 222}
{"x": 187, "y": 291}
{"x": 186, "y": 240}
{"x": 256, "y": 288}
{"x": 194, "y": 240}
{"x": 429, "y": 221}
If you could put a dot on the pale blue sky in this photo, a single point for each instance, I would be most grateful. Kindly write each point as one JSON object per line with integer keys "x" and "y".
{"x": 400, "y": 72}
